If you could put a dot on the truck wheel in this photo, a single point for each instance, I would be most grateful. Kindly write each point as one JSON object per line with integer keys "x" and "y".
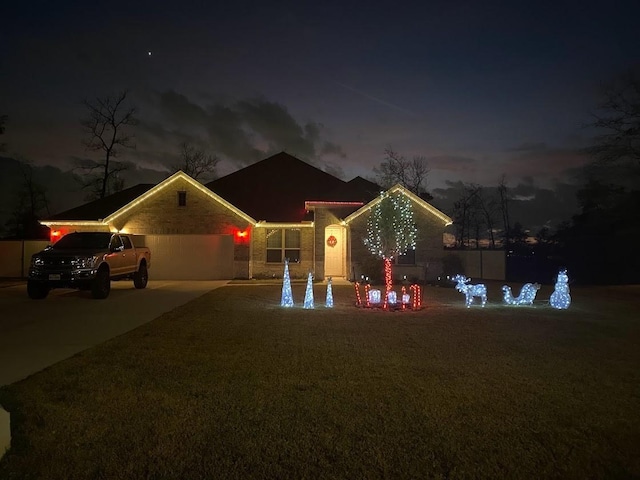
{"x": 141, "y": 277}
{"x": 101, "y": 285}
{"x": 37, "y": 290}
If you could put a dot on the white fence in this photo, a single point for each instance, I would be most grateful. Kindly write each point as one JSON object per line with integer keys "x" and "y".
{"x": 15, "y": 256}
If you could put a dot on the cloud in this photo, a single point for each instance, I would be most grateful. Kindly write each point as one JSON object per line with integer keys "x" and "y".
{"x": 452, "y": 163}
{"x": 241, "y": 131}
{"x": 528, "y": 147}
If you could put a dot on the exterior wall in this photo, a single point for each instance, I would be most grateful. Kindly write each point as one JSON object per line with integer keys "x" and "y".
{"x": 15, "y": 256}
{"x": 429, "y": 249}
{"x": 262, "y": 269}
{"x": 323, "y": 217}
{"x": 160, "y": 214}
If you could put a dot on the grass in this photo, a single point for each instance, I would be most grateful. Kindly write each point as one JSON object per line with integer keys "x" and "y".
{"x": 233, "y": 386}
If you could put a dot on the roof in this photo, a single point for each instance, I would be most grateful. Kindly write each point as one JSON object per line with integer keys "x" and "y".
{"x": 102, "y": 208}
{"x": 275, "y": 189}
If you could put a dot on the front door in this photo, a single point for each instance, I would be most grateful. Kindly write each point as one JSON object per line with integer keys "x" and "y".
{"x": 334, "y": 251}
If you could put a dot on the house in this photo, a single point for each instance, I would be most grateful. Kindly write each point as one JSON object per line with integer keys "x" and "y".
{"x": 245, "y": 224}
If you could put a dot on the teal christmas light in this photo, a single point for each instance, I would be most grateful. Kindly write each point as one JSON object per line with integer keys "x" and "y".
{"x": 308, "y": 294}
{"x": 287, "y": 296}
{"x": 329, "y": 300}
{"x": 560, "y": 298}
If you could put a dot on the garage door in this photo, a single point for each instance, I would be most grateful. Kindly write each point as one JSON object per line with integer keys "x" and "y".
{"x": 190, "y": 257}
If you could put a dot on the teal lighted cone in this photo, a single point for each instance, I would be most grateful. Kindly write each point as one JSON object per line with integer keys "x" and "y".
{"x": 329, "y": 301}
{"x": 308, "y": 295}
{"x": 287, "y": 296}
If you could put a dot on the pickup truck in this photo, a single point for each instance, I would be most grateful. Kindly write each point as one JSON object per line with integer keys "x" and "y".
{"x": 88, "y": 261}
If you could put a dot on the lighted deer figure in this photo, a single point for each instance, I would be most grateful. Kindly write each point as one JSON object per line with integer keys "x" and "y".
{"x": 470, "y": 291}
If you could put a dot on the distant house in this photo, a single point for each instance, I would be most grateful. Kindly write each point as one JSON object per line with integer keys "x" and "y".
{"x": 245, "y": 224}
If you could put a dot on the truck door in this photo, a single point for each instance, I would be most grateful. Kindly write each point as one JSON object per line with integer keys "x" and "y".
{"x": 129, "y": 257}
{"x": 116, "y": 255}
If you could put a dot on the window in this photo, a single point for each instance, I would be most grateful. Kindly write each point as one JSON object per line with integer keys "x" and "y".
{"x": 283, "y": 243}
{"x": 115, "y": 245}
{"x": 182, "y": 199}
{"x": 407, "y": 258}
{"x": 127, "y": 243}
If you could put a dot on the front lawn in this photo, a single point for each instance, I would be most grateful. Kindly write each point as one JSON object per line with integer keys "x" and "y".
{"x": 233, "y": 386}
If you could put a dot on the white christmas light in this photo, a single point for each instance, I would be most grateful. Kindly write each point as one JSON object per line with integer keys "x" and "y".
{"x": 392, "y": 297}
{"x": 560, "y": 298}
{"x": 470, "y": 291}
{"x": 406, "y": 298}
{"x": 287, "y": 296}
{"x": 527, "y": 294}
{"x": 329, "y": 300}
{"x": 374, "y": 296}
{"x": 308, "y": 294}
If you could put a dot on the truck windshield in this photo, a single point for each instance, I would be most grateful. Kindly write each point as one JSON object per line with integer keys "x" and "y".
{"x": 87, "y": 240}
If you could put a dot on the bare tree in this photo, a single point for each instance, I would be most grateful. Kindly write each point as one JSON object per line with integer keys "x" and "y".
{"x": 196, "y": 162}
{"x": 106, "y": 129}
{"x": 619, "y": 116}
{"x": 466, "y": 215}
{"x": 487, "y": 207}
{"x": 29, "y": 204}
{"x": 397, "y": 169}
{"x": 503, "y": 195}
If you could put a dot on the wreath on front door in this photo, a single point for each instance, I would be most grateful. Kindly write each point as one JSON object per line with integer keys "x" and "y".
{"x": 332, "y": 241}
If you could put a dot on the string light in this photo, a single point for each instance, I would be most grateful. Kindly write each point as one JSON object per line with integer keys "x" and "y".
{"x": 287, "y": 296}
{"x": 417, "y": 296}
{"x": 391, "y": 231}
{"x": 329, "y": 300}
{"x": 470, "y": 291}
{"x": 308, "y": 294}
{"x": 560, "y": 298}
{"x": 374, "y": 297}
{"x": 527, "y": 294}
{"x": 358, "y": 298}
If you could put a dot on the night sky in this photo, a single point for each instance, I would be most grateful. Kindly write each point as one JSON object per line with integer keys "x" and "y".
{"x": 480, "y": 89}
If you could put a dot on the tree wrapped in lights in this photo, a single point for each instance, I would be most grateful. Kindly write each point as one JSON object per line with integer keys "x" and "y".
{"x": 287, "y": 296}
{"x": 391, "y": 231}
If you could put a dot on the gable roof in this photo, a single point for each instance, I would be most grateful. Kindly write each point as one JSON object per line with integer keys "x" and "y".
{"x": 101, "y": 208}
{"x": 106, "y": 210}
{"x": 275, "y": 189}
{"x": 397, "y": 188}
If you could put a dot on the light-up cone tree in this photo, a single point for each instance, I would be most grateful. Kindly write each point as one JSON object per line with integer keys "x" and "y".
{"x": 287, "y": 296}
{"x": 391, "y": 231}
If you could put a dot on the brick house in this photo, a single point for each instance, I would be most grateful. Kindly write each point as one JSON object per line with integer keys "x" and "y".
{"x": 243, "y": 225}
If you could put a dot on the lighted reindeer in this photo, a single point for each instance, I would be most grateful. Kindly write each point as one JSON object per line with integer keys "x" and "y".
{"x": 470, "y": 291}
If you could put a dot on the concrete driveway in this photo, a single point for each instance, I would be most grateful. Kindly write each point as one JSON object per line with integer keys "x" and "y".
{"x": 35, "y": 334}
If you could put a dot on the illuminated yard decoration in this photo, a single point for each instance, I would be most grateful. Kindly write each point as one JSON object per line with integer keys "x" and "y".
{"x": 308, "y": 294}
{"x": 417, "y": 296}
{"x": 470, "y": 291}
{"x": 527, "y": 294}
{"x": 287, "y": 296}
{"x": 374, "y": 296}
{"x": 329, "y": 300}
{"x": 392, "y": 297}
{"x": 560, "y": 297}
{"x": 391, "y": 231}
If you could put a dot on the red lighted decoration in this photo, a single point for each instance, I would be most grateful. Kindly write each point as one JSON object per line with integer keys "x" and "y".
{"x": 388, "y": 282}
{"x": 55, "y": 235}
{"x": 332, "y": 241}
{"x": 415, "y": 294}
{"x": 242, "y": 236}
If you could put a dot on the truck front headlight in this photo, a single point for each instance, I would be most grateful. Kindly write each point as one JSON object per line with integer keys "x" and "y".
{"x": 37, "y": 261}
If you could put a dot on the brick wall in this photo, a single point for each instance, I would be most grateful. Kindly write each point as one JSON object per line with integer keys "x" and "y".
{"x": 429, "y": 249}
